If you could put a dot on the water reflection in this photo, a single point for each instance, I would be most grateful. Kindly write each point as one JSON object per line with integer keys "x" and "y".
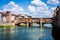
{"x": 22, "y": 33}
{"x": 47, "y": 25}
{"x": 7, "y": 33}
{"x": 45, "y": 34}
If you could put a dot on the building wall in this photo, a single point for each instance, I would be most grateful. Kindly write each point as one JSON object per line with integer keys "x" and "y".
{"x": 8, "y": 17}
{"x": 59, "y": 15}
{"x": 19, "y": 17}
{"x": 0, "y": 18}
{"x": 4, "y": 19}
{"x": 12, "y": 18}
{"x": 26, "y": 17}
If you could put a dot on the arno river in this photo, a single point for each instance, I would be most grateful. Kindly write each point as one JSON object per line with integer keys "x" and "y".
{"x": 23, "y": 33}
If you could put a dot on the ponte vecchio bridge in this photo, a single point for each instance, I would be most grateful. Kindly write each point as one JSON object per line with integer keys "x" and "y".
{"x": 29, "y": 21}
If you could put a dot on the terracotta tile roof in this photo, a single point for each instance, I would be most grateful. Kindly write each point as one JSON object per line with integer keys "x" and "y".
{"x": 18, "y": 15}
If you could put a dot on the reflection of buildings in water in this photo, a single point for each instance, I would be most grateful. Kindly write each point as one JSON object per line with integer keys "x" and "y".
{"x": 8, "y": 33}
{"x": 11, "y": 33}
{"x": 13, "y": 30}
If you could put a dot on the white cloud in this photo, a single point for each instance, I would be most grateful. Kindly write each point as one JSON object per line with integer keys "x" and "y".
{"x": 38, "y": 3}
{"x": 14, "y": 8}
{"x": 40, "y": 9}
{"x": 31, "y": 9}
{"x": 53, "y": 1}
{"x": 52, "y": 10}
{"x": 37, "y": 9}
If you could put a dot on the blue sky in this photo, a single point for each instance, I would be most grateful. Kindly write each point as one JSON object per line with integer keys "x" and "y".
{"x": 34, "y": 8}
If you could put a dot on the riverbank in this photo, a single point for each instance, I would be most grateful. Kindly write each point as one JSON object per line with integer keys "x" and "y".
{"x": 3, "y": 24}
{"x": 6, "y": 25}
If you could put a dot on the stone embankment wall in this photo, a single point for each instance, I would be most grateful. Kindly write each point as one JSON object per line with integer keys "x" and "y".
{"x": 4, "y": 24}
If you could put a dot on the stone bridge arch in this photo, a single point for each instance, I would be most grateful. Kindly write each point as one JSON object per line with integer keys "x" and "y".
{"x": 29, "y": 21}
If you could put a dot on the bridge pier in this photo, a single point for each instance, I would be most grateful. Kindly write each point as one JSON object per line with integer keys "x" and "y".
{"x": 41, "y": 24}
{"x": 27, "y": 23}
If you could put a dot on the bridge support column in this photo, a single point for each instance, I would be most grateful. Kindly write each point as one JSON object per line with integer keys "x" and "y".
{"x": 41, "y": 25}
{"x": 27, "y": 23}
{"x": 30, "y": 20}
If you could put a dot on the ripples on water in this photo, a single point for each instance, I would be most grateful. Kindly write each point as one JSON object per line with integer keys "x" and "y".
{"x": 22, "y": 33}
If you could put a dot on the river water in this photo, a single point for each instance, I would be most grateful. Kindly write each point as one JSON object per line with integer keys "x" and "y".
{"x": 23, "y": 33}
